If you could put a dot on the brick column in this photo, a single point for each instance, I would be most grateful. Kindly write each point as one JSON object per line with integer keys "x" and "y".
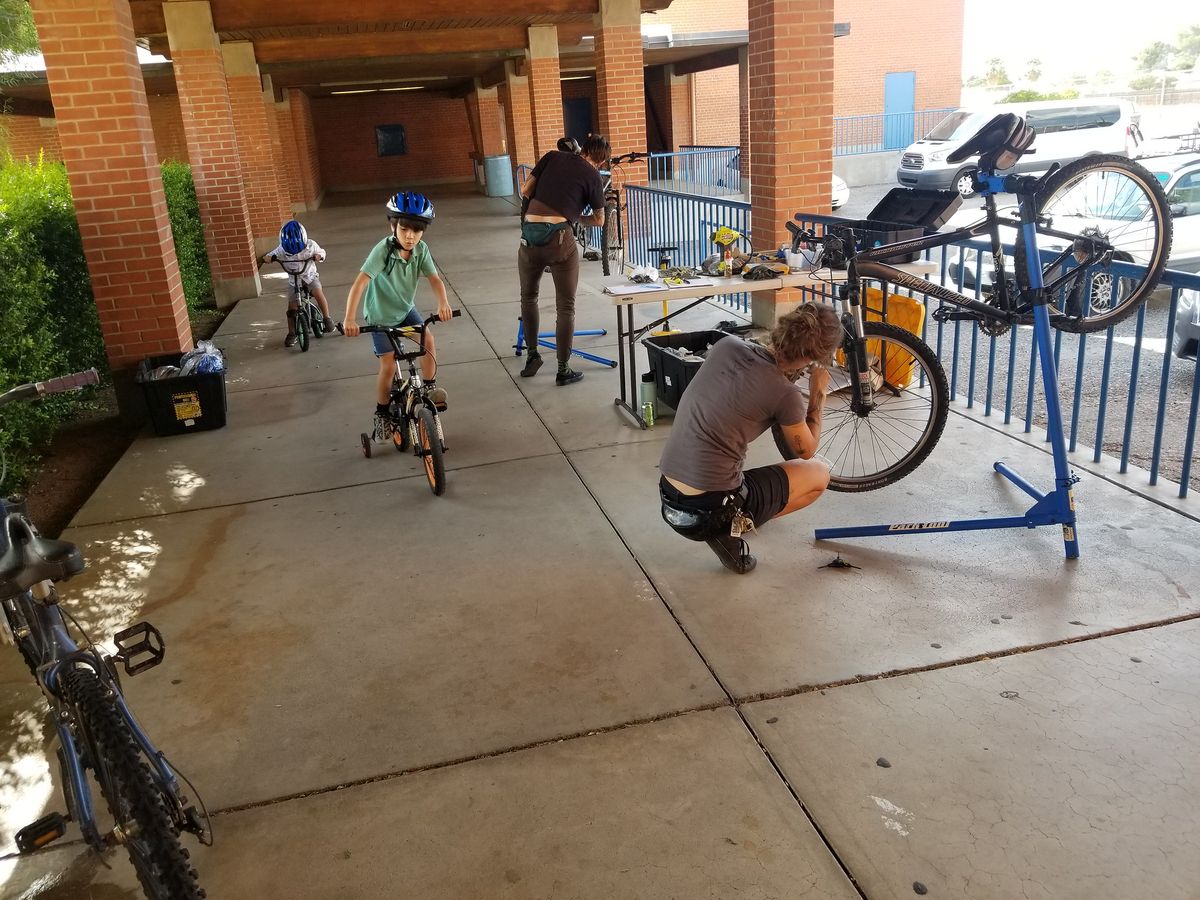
{"x": 791, "y": 120}
{"x": 291, "y": 157}
{"x": 491, "y": 129}
{"x": 545, "y": 89}
{"x": 212, "y": 148}
{"x": 744, "y": 111}
{"x": 620, "y": 86}
{"x": 518, "y": 123}
{"x": 305, "y": 137}
{"x": 108, "y": 146}
{"x": 278, "y": 156}
{"x": 679, "y": 100}
{"x": 259, "y": 171}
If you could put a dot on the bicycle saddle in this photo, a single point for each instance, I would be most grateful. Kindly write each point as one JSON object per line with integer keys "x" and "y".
{"x": 998, "y": 144}
{"x": 28, "y": 558}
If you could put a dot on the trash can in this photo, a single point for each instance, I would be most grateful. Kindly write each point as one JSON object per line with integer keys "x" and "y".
{"x": 182, "y": 403}
{"x": 497, "y": 175}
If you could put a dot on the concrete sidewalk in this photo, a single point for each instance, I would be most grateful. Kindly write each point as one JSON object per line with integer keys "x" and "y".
{"x": 531, "y": 688}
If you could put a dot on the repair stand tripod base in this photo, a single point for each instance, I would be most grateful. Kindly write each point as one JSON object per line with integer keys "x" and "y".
{"x": 1056, "y": 507}
{"x": 519, "y": 346}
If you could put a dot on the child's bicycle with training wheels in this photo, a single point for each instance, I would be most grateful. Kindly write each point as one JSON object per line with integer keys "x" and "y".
{"x": 309, "y": 319}
{"x": 412, "y": 422}
{"x": 1092, "y": 241}
{"x": 99, "y": 741}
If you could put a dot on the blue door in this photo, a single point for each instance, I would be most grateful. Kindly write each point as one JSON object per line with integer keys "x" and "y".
{"x": 899, "y": 109}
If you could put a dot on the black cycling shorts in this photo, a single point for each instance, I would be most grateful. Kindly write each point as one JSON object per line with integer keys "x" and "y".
{"x": 765, "y": 493}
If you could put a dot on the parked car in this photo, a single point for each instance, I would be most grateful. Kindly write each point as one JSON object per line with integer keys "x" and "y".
{"x": 1180, "y": 177}
{"x": 1065, "y": 129}
{"x": 1187, "y": 325}
{"x": 841, "y": 193}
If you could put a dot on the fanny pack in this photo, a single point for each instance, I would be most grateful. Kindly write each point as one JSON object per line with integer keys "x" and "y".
{"x": 539, "y": 234}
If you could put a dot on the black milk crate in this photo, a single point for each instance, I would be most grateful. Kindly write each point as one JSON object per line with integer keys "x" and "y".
{"x": 672, "y": 374}
{"x": 182, "y": 403}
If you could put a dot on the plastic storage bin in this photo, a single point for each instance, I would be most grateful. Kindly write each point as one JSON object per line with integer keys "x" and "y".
{"x": 870, "y": 233}
{"x": 906, "y": 206}
{"x": 672, "y": 371}
{"x": 183, "y": 403}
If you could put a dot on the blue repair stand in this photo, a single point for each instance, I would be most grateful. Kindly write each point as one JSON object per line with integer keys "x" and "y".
{"x": 520, "y": 344}
{"x": 1054, "y": 508}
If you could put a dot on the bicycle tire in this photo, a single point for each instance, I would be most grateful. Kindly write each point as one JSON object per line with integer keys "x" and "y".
{"x": 162, "y": 863}
{"x": 610, "y": 242}
{"x": 1122, "y": 188}
{"x": 867, "y": 452}
{"x": 430, "y": 449}
{"x": 316, "y": 321}
{"x": 302, "y": 331}
{"x": 400, "y": 435}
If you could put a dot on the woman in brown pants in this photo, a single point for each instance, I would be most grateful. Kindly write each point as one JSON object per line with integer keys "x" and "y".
{"x": 561, "y": 185}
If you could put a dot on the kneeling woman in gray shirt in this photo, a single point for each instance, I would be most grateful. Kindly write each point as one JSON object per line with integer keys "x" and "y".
{"x": 740, "y": 391}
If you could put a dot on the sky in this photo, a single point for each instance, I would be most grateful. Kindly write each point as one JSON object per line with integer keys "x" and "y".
{"x": 1068, "y": 36}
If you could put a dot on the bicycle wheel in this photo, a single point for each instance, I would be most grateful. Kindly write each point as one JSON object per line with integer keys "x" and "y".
{"x": 400, "y": 435}
{"x": 872, "y": 448}
{"x": 302, "y": 330}
{"x": 430, "y": 449}
{"x": 316, "y": 321}
{"x": 133, "y": 798}
{"x": 1092, "y": 213}
{"x": 612, "y": 254}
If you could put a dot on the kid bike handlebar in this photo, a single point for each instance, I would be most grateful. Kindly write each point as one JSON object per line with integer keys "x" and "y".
{"x": 406, "y": 329}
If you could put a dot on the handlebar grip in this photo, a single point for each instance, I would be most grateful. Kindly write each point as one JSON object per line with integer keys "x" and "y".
{"x": 66, "y": 383}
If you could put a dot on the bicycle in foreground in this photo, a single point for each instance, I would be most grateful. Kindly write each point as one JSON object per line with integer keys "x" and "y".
{"x": 99, "y": 740}
{"x": 1099, "y": 231}
{"x": 413, "y": 422}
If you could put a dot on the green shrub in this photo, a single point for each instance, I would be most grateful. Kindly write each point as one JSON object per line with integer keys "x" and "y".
{"x": 1027, "y": 96}
{"x": 188, "y": 233}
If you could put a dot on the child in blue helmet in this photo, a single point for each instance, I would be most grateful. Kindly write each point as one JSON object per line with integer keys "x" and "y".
{"x": 387, "y": 285}
{"x": 299, "y": 255}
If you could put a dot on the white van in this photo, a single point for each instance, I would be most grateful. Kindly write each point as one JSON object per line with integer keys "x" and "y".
{"x": 1065, "y": 129}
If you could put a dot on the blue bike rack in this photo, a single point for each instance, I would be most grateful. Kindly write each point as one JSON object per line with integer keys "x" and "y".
{"x": 1056, "y": 507}
{"x": 550, "y": 345}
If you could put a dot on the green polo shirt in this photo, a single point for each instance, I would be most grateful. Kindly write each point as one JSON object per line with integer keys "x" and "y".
{"x": 389, "y": 296}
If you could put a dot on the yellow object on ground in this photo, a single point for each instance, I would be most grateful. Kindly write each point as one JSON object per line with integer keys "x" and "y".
{"x": 904, "y": 312}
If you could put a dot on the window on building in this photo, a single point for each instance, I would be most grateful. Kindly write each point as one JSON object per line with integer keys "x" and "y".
{"x": 391, "y": 140}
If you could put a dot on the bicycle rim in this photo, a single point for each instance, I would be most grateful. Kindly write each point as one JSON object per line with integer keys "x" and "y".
{"x": 911, "y": 401}
{"x": 610, "y": 241}
{"x": 431, "y": 452}
{"x": 1117, "y": 213}
{"x": 152, "y": 839}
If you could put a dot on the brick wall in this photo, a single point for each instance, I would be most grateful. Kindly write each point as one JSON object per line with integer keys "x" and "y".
{"x": 886, "y": 36}
{"x": 439, "y": 139}
{"x": 545, "y": 98}
{"x": 167, "y": 120}
{"x": 27, "y": 137}
{"x": 690, "y": 16}
{"x": 717, "y": 106}
{"x": 290, "y": 155}
{"x": 256, "y": 154}
{"x": 304, "y": 134}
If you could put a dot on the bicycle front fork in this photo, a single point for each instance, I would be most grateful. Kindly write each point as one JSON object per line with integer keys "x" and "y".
{"x": 854, "y": 347}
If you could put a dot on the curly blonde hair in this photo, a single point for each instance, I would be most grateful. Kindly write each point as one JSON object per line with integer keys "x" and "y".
{"x": 812, "y": 331}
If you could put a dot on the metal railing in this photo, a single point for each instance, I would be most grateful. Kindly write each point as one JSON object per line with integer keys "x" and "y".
{"x": 1123, "y": 391}
{"x": 659, "y": 218}
{"x": 890, "y": 131}
{"x": 713, "y": 171}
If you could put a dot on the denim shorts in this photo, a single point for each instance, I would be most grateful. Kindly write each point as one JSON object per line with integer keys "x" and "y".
{"x": 383, "y": 344}
{"x": 313, "y": 286}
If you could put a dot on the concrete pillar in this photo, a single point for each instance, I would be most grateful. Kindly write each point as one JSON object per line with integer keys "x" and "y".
{"x": 108, "y": 146}
{"x": 620, "y": 88}
{"x": 212, "y": 148}
{"x": 518, "y": 122}
{"x": 545, "y": 88}
{"x": 744, "y": 111}
{"x": 791, "y": 121}
{"x": 278, "y": 156}
{"x": 259, "y": 171}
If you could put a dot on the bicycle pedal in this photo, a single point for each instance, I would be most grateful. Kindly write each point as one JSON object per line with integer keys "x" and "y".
{"x": 46, "y": 830}
{"x": 139, "y": 647}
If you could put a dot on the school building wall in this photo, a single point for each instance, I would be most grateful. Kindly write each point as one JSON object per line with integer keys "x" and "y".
{"x": 436, "y": 126}
{"x": 27, "y": 137}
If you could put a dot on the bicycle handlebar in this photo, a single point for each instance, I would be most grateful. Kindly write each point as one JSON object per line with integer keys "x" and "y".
{"x": 405, "y": 329}
{"x": 59, "y": 385}
{"x": 627, "y": 157}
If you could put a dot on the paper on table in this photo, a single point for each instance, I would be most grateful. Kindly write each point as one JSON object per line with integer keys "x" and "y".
{"x": 619, "y": 290}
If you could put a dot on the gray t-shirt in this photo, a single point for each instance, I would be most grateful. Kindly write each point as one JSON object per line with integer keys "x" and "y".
{"x": 738, "y": 394}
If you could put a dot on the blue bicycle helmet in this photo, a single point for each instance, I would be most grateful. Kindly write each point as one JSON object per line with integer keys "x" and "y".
{"x": 410, "y": 205}
{"x": 292, "y": 237}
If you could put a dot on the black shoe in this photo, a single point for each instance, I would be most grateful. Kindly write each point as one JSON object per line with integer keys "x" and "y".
{"x": 567, "y": 377}
{"x": 289, "y": 341}
{"x": 532, "y": 364}
{"x": 734, "y": 554}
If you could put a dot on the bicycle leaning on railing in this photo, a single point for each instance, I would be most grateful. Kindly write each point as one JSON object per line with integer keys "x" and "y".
{"x": 86, "y": 709}
{"x": 611, "y": 250}
{"x": 413, "y": 421}
{"x": 1099, "y": 227}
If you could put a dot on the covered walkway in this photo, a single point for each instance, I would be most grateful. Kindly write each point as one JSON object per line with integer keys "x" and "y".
{"x": 531, "y": 688}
